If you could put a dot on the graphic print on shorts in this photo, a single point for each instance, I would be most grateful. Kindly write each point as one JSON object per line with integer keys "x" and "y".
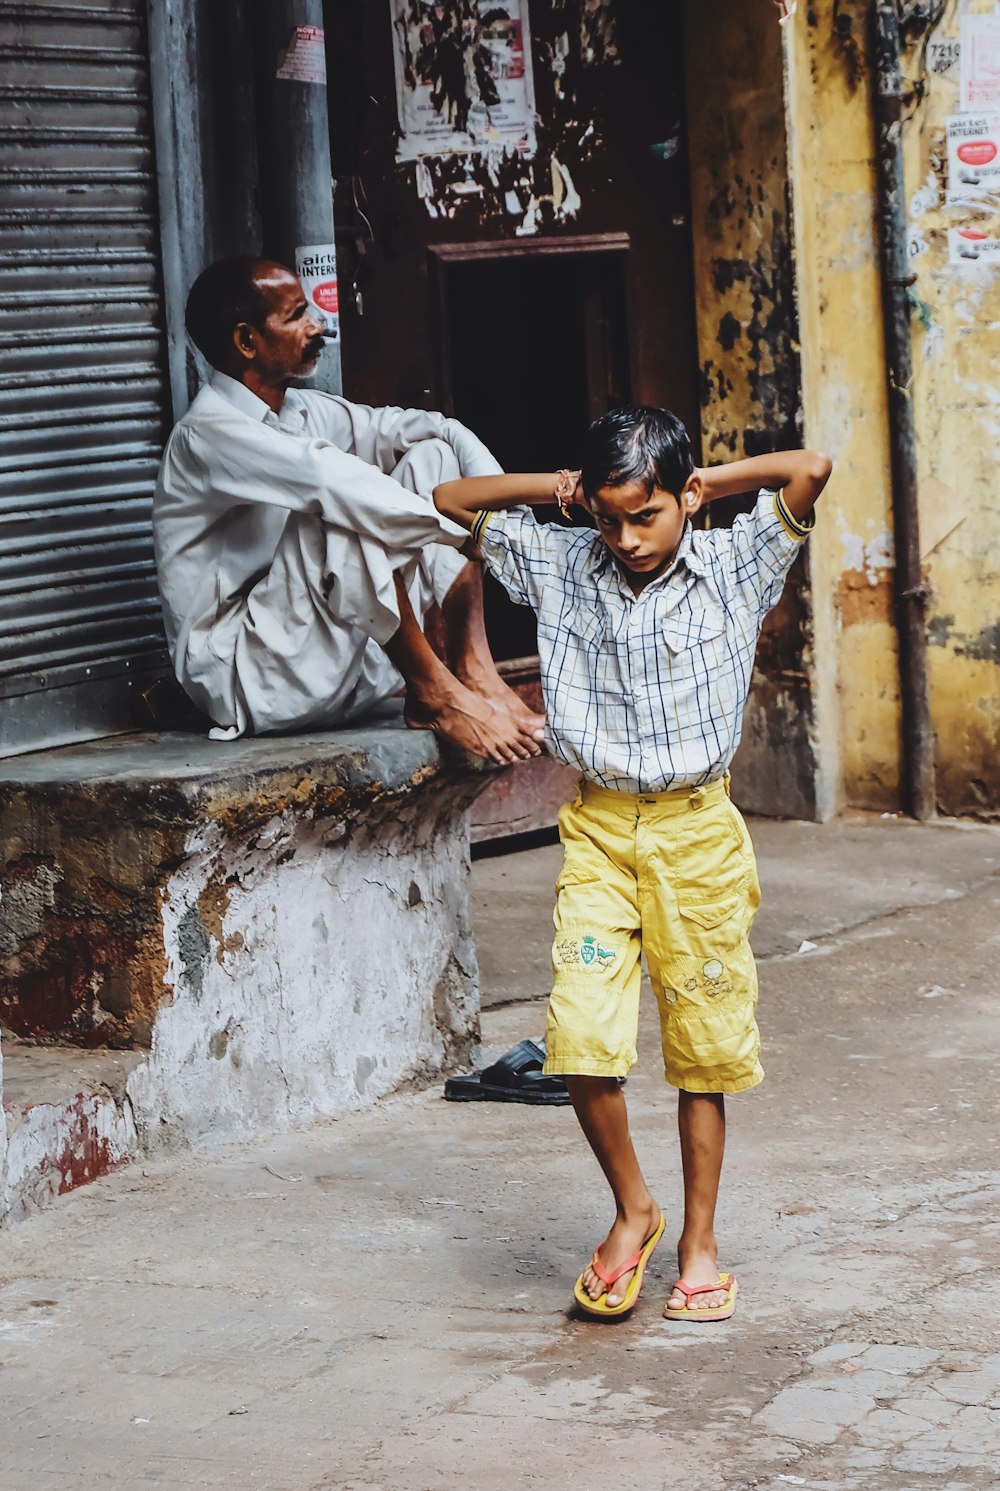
{"x": 588, "y": 951}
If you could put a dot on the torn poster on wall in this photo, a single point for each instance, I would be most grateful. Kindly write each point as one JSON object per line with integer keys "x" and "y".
{"x": 463, "y": 77}
{"x": 304, "y": 58}
{"x": 972, "y": 246}
{"x": 973, "y": 158}
{"x": 980, "y": 62}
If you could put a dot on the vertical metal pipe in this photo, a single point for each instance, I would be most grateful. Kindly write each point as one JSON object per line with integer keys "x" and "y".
{"x": 911, "y": 592}
{"x": 293, "y": 143}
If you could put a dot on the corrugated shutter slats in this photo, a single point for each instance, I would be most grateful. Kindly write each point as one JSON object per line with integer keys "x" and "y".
{"x": 82, "y": 368}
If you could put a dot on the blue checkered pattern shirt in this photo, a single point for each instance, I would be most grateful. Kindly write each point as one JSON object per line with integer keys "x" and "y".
{"x": 645, "y": 693}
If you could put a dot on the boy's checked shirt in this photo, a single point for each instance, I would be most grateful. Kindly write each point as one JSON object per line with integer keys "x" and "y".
{"x": 645, "y": 693}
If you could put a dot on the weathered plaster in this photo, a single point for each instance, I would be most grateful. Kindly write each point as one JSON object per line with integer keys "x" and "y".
{"x": 748, "y": 352}
{"x": 4, "y": 1206}
{"x": 956, "y": 406}
{"x": 957, "y": 410}
{"x": 749, "y": 355}
{"x": 52, "y": 1148}
{"x": 303, "y": 906}
{"x": 832, "y": 168}
{"x": 336, "y": 965}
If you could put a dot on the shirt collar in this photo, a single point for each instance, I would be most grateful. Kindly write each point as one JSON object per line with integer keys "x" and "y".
{"x": 687, "y": 554}
{"x": 247, "y": 402}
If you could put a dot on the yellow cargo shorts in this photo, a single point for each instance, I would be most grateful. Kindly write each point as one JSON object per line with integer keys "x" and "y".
{"x": 671, "y": 875}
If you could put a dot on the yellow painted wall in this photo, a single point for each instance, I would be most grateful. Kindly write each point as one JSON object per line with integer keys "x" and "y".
{"x": 957, "y": 407}
{"x": 747, "y": 351}
{"x": 831, "y": 149}
{"x": 790, "y": 109}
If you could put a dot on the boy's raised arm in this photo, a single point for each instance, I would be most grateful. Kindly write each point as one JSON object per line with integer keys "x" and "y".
{"x": 461, "y": 500}
{"x": 800, "y": 475}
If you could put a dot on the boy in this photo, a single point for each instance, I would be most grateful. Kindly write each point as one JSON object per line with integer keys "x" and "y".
{"x": 647, "y": 630}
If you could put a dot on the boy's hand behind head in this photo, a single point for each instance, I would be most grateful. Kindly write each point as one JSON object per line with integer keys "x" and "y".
{"x": 568, "y": 491}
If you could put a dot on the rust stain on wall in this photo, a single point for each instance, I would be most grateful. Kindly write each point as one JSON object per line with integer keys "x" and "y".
{"x": 750, "y": 372}
{"x": 864, "y": 596}
{"x": 88, "y": 867}
{"x": 73, "y": 966}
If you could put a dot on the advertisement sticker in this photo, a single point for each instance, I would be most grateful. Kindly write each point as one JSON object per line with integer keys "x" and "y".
{"x": 316, "y": 267}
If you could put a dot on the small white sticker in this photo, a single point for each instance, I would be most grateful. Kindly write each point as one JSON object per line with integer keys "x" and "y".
{"x": 943, "y": 55}
{"x": 972, "y": 246}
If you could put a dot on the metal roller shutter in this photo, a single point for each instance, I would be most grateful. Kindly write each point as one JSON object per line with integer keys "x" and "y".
{"x": 83, "y": 392}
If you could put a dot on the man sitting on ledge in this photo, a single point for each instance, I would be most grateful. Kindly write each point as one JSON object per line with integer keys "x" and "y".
{"x": 298, "y": 545}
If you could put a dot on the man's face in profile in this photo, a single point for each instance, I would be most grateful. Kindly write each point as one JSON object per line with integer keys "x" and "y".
{"x": 290, "y": 342}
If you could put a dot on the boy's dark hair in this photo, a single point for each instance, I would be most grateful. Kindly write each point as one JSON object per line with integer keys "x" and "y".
{"x": 643, "y": 444}
{"x": 221, "y": 297}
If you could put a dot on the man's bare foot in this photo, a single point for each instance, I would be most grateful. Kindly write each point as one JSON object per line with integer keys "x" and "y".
{"x": 697, "y": 1265}
{"x": 486, "y": 681}
{"x": 625, "y": 1238}
{"x": 471, "y": 721}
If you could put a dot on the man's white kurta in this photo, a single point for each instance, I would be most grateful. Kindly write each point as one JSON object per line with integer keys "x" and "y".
{"x": 277, "y": 539}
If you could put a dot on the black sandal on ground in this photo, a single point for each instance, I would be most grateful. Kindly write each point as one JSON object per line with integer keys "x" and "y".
{"x": 516, "y": 1078}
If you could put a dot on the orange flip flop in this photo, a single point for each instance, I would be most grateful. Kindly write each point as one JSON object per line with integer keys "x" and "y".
{"x": 638, "y": 1261}
{"x": 721, "y": 1312}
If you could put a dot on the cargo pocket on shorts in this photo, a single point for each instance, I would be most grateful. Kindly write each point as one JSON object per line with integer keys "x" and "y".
{"x": 714, "y": 874}
{"x": 576, "y": 875}
{"x": 711, "y": 963}
{"x": 586, "y": 946}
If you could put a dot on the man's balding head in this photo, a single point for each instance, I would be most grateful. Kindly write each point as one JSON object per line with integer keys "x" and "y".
{"x": 229, "y": 292}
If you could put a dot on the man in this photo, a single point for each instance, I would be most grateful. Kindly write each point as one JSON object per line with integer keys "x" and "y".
{"x": 299, "y": 548}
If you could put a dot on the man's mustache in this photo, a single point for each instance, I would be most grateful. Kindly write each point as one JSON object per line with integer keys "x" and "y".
{"x": 313, "y": 349}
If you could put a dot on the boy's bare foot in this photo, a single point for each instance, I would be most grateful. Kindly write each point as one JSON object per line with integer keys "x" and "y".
{"x": 697, "y": 1266}
{"x": 486, "y": 681}
{"x": 625, "y": 1238}
{"x": 470, "y": 721}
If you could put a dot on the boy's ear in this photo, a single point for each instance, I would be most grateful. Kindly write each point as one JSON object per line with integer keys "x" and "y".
{"x": 692, "y": 494}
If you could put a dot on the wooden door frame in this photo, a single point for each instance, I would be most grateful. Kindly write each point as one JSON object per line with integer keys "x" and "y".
{"x": 440, "y": 255}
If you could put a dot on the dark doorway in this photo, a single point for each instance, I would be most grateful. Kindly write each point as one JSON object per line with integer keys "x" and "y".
{"x": 534, "y": 345}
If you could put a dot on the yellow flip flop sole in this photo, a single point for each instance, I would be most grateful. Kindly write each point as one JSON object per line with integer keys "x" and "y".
{"x": 721, "y": 1312}
{"x": 638, "y": 1261}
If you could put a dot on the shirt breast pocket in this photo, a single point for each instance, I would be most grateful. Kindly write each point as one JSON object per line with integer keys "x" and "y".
{"x": 581, "y": 624}
{"x": 685, "y": 631}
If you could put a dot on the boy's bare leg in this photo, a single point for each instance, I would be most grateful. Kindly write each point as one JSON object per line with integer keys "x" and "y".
{"x": 469, "y": 651}
{"x": 600, "y": 1107}
{"x": 701, "y": 1121}
{"x": 436, "y": 700}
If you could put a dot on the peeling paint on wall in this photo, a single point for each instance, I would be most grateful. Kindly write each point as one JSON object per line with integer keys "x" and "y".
{"x": 957, "y": 410}
{"x": 538, "y": 190}
{"x": 231, "y": 950}
{"x": 750, "y": 374}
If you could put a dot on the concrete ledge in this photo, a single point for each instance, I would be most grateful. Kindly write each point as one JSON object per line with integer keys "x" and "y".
{"x": 283, "y": 925}
{"x": 66, "y": 1120}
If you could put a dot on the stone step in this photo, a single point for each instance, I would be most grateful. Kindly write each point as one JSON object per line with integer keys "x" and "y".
{"x": 67, "y": 1120}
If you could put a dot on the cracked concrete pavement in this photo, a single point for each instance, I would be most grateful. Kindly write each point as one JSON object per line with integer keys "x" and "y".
{"x": 383, "y": 1302}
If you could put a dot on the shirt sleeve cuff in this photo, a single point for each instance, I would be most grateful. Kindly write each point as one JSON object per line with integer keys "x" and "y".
{"x": 479, "y": 522}
{"x": 797, "y": 528}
